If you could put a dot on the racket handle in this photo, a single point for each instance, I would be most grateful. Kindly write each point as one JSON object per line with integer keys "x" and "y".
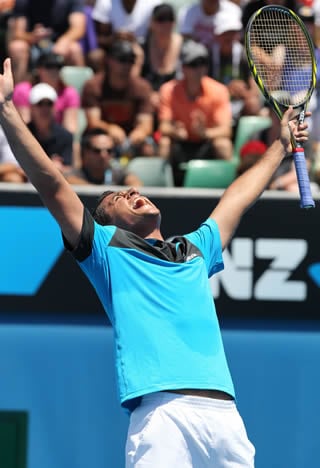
{"x": 306, "y": 200}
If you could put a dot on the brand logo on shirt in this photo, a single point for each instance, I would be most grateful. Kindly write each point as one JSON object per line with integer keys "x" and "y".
{"x": 190, "y": 257}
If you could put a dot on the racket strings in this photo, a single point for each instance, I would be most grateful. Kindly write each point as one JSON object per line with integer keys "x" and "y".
{"x": 282, "y": 57}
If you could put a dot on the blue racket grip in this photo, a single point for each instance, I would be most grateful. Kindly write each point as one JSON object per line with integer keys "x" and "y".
{"x": 306, "y": 200}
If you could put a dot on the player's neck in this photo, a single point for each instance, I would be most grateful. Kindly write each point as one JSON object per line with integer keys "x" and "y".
{"x": 155, "y": 234}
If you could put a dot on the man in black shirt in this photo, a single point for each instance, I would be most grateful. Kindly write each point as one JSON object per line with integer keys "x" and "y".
{"x": 98, "y": 162}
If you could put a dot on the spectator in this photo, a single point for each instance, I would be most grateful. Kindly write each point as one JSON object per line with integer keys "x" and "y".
{"x": 161, "y": 49}
{"x": 250, "y": 153}
{"x": 54, "y": 139}
{"x": 98, "y": 163}
{"x": 122, "y": 19}
{"x": 285, "y": 177}
{"x": 10, "y": 170}
{"x": 122, "y": 16}
{"x": 119, "y": 102}
{"x": 195, "y": 113}
{"x": 38, "y": 26}
{"x": 66, "y": 106}
{"x": 6, "y": 9}
{"x": 253, "y": 5}
{"x": 230, "y": 67}
{"x": 199, "y": 21}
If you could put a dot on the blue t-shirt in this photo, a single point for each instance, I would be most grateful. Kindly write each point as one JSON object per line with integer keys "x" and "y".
{"x": 158, "y": 298}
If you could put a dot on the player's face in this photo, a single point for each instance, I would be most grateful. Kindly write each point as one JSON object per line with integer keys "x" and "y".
{"x": 130, "y": 210}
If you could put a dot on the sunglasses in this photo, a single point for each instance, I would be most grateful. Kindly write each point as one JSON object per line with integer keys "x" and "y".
{"x": 52, "y": 66}
{"x": 44, "y": 103}
{"x": 96, "y": 150}
{"x": 126, "y": 59}
{"x": 164, "y": 19}
{"x": 201, "y": 62}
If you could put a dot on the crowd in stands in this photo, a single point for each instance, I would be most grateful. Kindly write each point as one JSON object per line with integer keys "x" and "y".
{"x": 167, "y": 80}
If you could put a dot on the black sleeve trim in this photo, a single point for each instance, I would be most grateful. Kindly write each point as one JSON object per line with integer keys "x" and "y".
{"x": 84, "y": 247}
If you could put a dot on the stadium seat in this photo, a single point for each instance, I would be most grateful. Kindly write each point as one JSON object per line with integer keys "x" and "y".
{"x": 76, "y": 76}
{"x": 203, "y": 173}
{"x": 153, "y": 171}
{"x": 249, "y": 127}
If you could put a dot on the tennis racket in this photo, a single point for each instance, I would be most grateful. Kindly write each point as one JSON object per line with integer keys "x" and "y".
{"x": 281, "y": 59}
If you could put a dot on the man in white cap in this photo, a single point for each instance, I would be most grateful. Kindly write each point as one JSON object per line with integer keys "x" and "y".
{"x": 199, "y": 21}
{"x": 54, "y": 139}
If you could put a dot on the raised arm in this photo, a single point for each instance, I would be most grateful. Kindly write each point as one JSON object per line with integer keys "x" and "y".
{"x": 55, "y": 192}
{"x": 247, "y": 188}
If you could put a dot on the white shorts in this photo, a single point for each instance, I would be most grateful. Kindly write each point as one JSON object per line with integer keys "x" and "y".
{"x": 170, "y": 430}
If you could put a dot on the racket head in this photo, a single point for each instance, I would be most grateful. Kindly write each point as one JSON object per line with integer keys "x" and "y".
{"x": 281, "y": 58}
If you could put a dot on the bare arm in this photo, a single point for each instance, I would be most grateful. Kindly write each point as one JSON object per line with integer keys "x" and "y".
{"x": 217, "y": 132}
{"x": 94, "y": 120}
{"x": 132, "y": 180}
{"x": 54, "y": 190}
{"x": 247, "y": 188}
{"x": 70, "y": 119}
{"x": 77, "y": 27}
{"x": 175, "y": 130}
{"x": 142, "y": 128}
{"x": 11, "y": 169}
{"x": 18, "y": 30}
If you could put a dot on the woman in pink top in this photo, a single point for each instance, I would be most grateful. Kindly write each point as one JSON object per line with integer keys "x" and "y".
{"x": 48, "y": 71}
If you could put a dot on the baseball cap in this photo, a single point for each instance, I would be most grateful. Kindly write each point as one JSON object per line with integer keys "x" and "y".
{"x": 42, "y": 91}
{"x": 192, "y": 50}
{"x": 122, "y": 49}
{"x": 227, "y": 22}
{"x": 50, "y": 60}
{"x": 256, "y": 147}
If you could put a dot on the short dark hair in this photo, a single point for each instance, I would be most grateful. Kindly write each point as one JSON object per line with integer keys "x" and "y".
{"x": 120, "y": 49}
{"x": 92, "y": 132}
{"x": 99, "y": 213}
{"x": 164, "y": 10}
{"x": 50, "y": 60}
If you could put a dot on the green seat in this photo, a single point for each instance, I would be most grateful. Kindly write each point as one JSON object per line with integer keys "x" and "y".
{"x": 249, "y": 127}
{"x": 13, "y": 439}
{"x": 153, "y": 171}
{"x": 76, "y": 76}
{"x": 203, "y": 173}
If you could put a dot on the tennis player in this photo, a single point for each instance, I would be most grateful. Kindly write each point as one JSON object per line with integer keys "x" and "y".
{"x": 173, "y": 375}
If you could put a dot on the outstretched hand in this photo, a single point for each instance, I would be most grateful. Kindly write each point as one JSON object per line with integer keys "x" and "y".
{"x": 290, "y": 127}
{"x": 6, "y": 82}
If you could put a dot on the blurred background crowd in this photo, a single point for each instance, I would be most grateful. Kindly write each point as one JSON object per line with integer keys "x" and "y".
{"x": 136, "y": 92}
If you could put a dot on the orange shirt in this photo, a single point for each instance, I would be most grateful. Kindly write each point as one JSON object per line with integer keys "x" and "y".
{"x": 213, "y": 106}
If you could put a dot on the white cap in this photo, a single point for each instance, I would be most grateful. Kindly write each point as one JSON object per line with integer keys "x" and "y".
{"x": 42, "y": 91}
{"x": 227, "y": 22}
{"x": 192, "y": 50}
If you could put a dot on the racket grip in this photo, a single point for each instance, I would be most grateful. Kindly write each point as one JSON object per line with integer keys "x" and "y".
{"x": 306, "y": 200}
